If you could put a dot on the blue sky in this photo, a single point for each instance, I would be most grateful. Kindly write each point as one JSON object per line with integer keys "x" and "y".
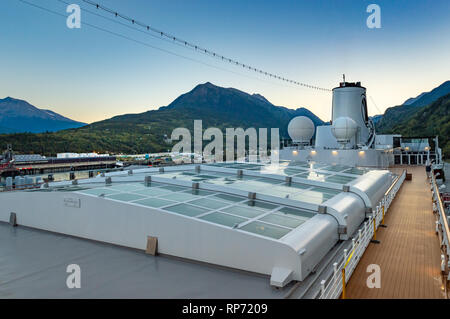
{"x": 90, "y": 75}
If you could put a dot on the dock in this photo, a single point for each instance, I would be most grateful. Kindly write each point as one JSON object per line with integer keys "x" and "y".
{"x": 409, "y": 251}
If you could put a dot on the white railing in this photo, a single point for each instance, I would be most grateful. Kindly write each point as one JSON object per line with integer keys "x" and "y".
{"x": 442, "y": 229}
{"x": 333, "y": 288}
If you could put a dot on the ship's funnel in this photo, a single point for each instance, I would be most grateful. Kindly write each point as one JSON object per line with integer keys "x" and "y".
{"x": 349, "y": 101}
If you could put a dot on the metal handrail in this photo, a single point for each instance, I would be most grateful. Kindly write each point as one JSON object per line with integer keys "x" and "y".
{"x": 442, "y": 217}
{"x": 395, "y": 181}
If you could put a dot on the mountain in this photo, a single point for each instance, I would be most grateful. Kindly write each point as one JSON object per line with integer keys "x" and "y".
{"x": 414, "y": 99}
{"x": 426, "y": 98}
{"x": 376, "y": 118}
{"x": 431, "y": 120}
{"x": 20, "y": 116}
{"x": 144, "y": 132}
{"x": 395, "y": 115}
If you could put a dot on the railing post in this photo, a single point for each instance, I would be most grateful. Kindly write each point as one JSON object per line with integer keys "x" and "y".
{"x": 366, "y": 227}
{"x": 322, "y": 287}
{"x": 343, "y": 284}
{"x": 374, "y": 239}
{"x": 382, "y": 212}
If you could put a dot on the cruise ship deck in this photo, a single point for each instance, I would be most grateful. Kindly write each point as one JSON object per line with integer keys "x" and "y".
{"x": 35, "y": 260}
{"x": 408, "y": 253}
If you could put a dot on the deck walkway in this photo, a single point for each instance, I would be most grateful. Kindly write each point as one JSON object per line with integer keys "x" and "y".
{"x": 409, "y": 254}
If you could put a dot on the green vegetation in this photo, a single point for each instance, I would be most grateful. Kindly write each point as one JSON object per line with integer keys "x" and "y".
{"x": 216, "y": 107}
{"x": 144, "y": 132}
{"x": 430, "y": 120}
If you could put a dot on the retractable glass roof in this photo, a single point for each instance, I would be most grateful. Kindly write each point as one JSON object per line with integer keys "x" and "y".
{"x": 273, "y": 219}
{"x": 254, "y": 216}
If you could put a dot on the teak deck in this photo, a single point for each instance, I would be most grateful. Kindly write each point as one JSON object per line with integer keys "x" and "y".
{"x": 409, "y": 253}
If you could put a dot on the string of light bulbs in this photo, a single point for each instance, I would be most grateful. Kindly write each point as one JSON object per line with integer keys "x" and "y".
{"x": 198, "y": 48}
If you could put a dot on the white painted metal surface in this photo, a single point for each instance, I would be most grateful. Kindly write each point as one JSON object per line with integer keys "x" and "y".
{"x": 350, "y": 102}
{"x": 301, "y": 129}
{"x": 118, "y": 213}
{"x": 356, "y": 158}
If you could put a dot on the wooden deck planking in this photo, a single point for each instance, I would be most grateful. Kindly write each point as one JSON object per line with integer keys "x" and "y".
{"x": 409, "y": 253}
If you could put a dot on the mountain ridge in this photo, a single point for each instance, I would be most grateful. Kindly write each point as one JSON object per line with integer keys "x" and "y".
{"x": 401, "y": 113}
{"x": 144, "y": 132}
{"x": 18, "y": 116}
{"x": 425, "y": 98}
{"x": 431, "y": 120}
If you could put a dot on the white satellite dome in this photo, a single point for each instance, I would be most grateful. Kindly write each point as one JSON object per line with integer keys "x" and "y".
{"x": 301, "y": 129}
{"x": 343, "y": 129}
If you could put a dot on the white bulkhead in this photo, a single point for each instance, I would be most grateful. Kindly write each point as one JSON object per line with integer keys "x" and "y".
{"x": 349, "y": 101}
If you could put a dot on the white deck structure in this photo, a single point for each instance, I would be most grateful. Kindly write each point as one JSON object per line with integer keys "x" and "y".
{"x": 272, "y": 220}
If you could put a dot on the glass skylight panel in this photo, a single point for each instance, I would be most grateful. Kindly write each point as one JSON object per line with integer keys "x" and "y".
{"x": 298, "y": 164}
{"x": 221, "y": 174}
{"x": 335, "y": 168}
{"x": 152, "y": 191}
{"x": 253, "y": 186}
{"x": 315, "y": 195}
{"x": 297, "y": 213}
{"x": 246, "y": 166}
{"x": 264, "y": 229}
{"x": 281, "y": 220}
{"x": 188, "y": 173}
{"x": 224, "y": 219}
{"x": 126, "y": 187}
{"x": 206, "y": 176}
{"x": 179, "y": 197}
{"x": 245, "y": 177}
{"x": 125, "y": 197}
{"x": 325, "y": 190}
{"x": 339, "y": 179}
{"x": 217, "y": 164}
{"x": 173, "y": 188}
{"x": 308, "y": 198}
{"x": 99, "y": 191}
{"x": 209, "y": 203}
{"x": 355, "y": 171}
{"x": 243, "y": 211}
{"x": 270, "y": 181}
{"x": 260, "y": 205}
{"x": 279, "y": 191}
{"x": 187, "y": 210}
{"x": 154, "y": 202}
{"x": 235, "y": 166}
{"x": 254, "y": 168}
{"x": 298, "y": 186}
{"x": 302, "y": 174}
{"x": 317, "y": 165}
{"x": 291, "y": 171}
{"x": 313, "y": 175}
{"x": 198, "y": 192}
{"x": 228, "y": 198}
